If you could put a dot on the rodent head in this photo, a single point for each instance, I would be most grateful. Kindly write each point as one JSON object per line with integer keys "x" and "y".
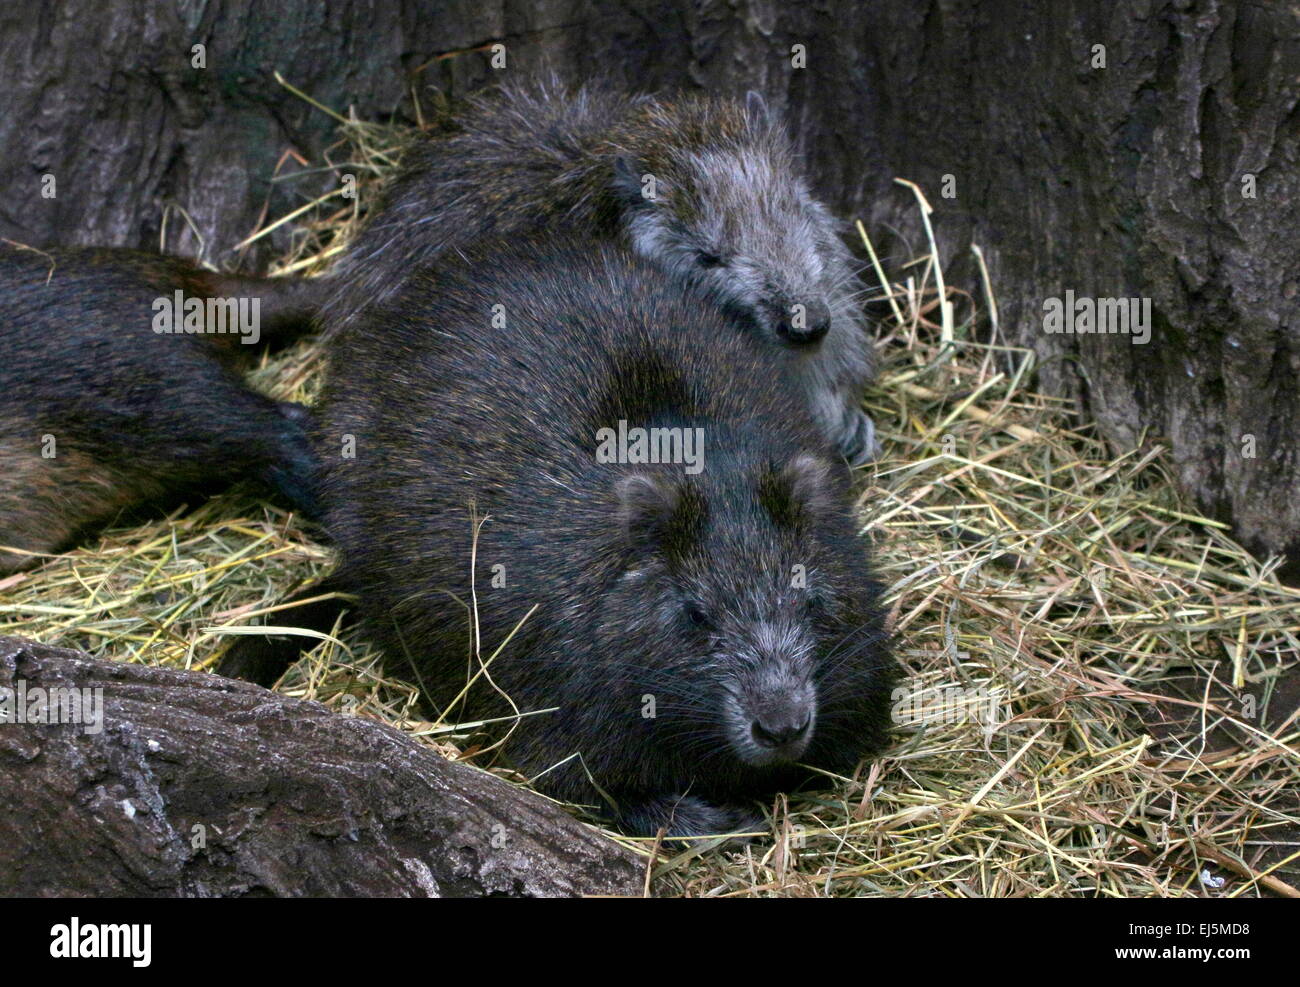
{"x": 745, "y": 611}
{"x": 731, "y": 214}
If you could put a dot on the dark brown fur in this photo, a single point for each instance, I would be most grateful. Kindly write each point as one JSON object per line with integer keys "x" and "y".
{"x": 99, "y": 413}
{"x": 651, "y": 585}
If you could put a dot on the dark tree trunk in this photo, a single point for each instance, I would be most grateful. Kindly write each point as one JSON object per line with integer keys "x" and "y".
{"x": 200, "y": 786}
{"x": 1122, "y": 181}
{"x": 1126, "y": 181}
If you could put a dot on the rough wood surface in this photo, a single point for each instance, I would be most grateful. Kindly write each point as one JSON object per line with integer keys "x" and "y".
{"x": 1120, "y": 181}
{"x": 203, "y": 786}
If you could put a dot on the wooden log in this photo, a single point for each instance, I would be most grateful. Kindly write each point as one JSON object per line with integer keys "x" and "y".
{"x": 176, "y": 783}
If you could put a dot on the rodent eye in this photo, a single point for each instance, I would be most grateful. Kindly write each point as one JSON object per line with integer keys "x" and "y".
{"x": 697, "y": 615}
{"x": 707, "y": 259}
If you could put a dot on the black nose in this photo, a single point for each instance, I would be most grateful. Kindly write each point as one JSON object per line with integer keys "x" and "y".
{"x": 808, "y": 326}
{"x": 777, "y": 731}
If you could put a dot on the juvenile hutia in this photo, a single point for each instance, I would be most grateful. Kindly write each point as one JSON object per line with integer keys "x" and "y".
{"x": 99, "y": 412}
{"x": 700, "y": 625}
{"x": 708, "y": 189}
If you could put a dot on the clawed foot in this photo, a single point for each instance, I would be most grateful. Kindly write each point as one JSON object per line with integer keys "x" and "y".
{"x": 857, "y": 440}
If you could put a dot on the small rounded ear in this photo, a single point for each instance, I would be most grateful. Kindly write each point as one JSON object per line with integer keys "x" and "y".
{"x": 811, "y": 482}
{"x": 805, "y": 487}
{"x": 646, "y": 505}
{"x": 757, "y": 113}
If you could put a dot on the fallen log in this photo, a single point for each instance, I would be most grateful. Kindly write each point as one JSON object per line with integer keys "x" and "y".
{"x": 159, "y": 782}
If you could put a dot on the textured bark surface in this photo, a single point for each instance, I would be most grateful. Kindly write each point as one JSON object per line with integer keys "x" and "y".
{"x": 203, "y": 786}
{"x": 1123, "y": 181}
{"x": 1127, "y": 181}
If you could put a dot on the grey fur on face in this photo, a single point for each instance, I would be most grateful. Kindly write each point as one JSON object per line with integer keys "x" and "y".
{"x": 750, "y": 644}
{"x": 742, "y": 226}
{"x": 727, "y": 222}
{"x": 770, "y": 705}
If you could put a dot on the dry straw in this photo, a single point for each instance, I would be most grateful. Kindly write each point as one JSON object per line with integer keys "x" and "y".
{"x": 1071, "y": 633}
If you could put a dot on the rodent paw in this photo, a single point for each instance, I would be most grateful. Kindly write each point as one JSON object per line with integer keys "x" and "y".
{"x": 858, "y": 438}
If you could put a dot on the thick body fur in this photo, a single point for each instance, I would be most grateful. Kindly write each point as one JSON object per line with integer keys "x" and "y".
{"x": 98, "y": 413}
{"x": 709, "y": 189}
{"x": 696, "y": 632}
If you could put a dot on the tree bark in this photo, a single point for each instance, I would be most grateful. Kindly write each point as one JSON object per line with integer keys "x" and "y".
{"x": 1122, "y": 181}
{"x": 1130, "y": 180}
{"x": 200, "y": 786}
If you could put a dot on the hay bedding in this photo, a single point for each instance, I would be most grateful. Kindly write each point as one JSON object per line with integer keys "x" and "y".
{"x": 1097, "y": 678}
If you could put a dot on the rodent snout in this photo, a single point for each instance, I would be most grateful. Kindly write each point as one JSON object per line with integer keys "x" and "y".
{"x": 779, "y": 732}
{"x": 804, "y": 325}
{"x": 775, "y": 725}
